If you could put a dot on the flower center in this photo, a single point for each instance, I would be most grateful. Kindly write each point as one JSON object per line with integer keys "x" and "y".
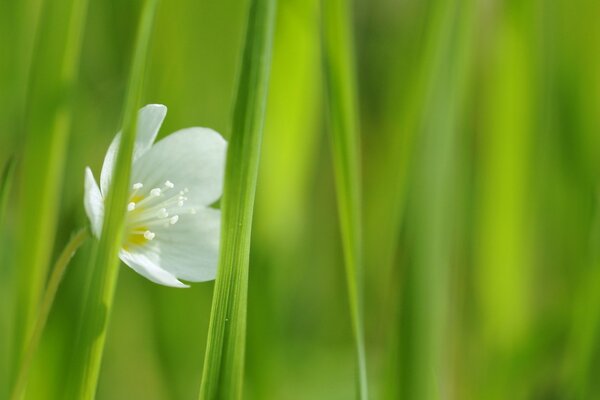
{"x": 161, "y": 207}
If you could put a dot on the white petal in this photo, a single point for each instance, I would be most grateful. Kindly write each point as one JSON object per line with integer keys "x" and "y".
{"x": 147, "y": 265}
{"x": 192, "y": 158}
{"x": 93, "y": 202}
{"x": 190, "y": 248}
{"x": 187, "y": 250}
{"x": 150, "y": 118}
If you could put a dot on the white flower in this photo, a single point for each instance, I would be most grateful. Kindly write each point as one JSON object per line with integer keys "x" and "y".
{"x": 170, "y": 231}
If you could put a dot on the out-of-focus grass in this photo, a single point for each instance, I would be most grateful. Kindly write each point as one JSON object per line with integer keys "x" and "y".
{"x": 340, "y": 90}
{"x": 511, "y": 221}
{"x": 99, "y": 295}
{"x": 46, "y": 127}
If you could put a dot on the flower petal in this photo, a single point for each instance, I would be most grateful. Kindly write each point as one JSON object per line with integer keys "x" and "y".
{"x": 150, "y": 118}
{"x": 187, "y": 250}
{"x": 190, "y": 248}
{"x": 147, "y": 265}
{"x": 93, "y": 202}
{"x": 192, "y": 158}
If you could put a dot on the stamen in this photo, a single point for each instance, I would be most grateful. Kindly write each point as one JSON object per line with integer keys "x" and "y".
{"x": 137, "y": 186}
{"x": 162, "y": 213}
{"x": 174, "y": 219}
{"x": 131, "y": 206}
{"x": 155, "y": 192}
{"x": 169, "y": 184}
{"x": 192, "y": 210}
{"x": 185, "y": 190}
{"x": 149, "y": 235}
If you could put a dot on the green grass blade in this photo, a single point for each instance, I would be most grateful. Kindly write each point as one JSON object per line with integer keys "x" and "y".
{"x": 97, "y": 310}
{"x": 47, "y": 125}
{"x": 504, "y": 255}
{"x": 343, "y": 113}
{"x": 6, "y": 290}
{"x": 224, "y": 362}
{"x": 5, "y": 186}
{"x": 427, "y": 371}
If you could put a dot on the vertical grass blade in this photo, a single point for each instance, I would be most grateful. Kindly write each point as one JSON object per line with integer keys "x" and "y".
{"x": 105, "y": 261}
{"x": 6, "y": 291}
{"x": 339, "y": 74}
{"x": 47, "y": 124}
{"x": 5, "y": 185}
{"x": 224, "y": 362}
{"x": 427, "y": 369}
{"x": 504, "y": 250}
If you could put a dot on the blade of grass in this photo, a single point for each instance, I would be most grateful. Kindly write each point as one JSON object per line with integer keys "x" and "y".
{"x": 47, "y": 125}
{"x": 339, "y": 74}
{"x": 97, "y": 310}
{"x": 224, "y": 361}
{"x": 5, "y": 187}
{"x": 427, "y": 369}
{"x": 504, "y": 250}
{"x": 6, "y": 290}
{"x": 47, "y": 301}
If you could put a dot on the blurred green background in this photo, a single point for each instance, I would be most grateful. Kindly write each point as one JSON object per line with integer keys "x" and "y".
{"x": 480, "y": 127}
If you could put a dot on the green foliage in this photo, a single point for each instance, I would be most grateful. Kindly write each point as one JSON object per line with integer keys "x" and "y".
{"x": 462, "y": 198}
{"x": 105, "y": 260}
{"x": 6, "y": 181}
{"x": 338, "y": 65}
{"x": 225, "y": 350}
{"x": 46, "y": 127}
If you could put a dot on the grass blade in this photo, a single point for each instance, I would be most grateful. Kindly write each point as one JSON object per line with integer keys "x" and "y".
{"x": 427, "y": 370}
{"x": 97, "y": 310}
{"x": 341, "y": 98}
{"x": 223, "y": 365}
{"x": 6, "y": 290}
{"x": 5, "y": 186}
{"x": 47, "y": 124}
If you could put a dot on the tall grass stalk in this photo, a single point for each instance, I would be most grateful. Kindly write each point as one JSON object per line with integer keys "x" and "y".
{"x": 48, "y": 118}
{"x": 340, "y": 85}
{"x": 6, "y": 181}
{"x": 97, "y": 310}
{"x": 504, "y": 252}
{"x": 429, "y": 357}
{"x": 6, "y": 290}
{"x": 224, "y": 361}
{"x": 47, "y": 301}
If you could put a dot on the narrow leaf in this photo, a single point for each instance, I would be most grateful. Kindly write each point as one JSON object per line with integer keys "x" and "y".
{"x": 5, "y": 186}
{"x": 105, "y": 261}
{"x": 47, "y": 124}
{"x": 223, "y": 365}
{"x": 341, "y": 99}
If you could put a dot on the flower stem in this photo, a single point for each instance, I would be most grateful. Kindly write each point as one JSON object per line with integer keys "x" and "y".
{"x": 48, "y": 300}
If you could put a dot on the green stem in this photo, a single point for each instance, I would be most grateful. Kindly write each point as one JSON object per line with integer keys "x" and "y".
{"x": 225, "y": 350}
{"x": 48, "y": 300}
{"x": 341, "y": 95}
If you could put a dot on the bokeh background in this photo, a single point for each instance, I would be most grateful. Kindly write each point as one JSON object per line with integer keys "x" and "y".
{"x": 480, "y": 129}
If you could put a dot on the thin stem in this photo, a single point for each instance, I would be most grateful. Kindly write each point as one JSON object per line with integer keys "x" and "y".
{"x": 48, "y": 300}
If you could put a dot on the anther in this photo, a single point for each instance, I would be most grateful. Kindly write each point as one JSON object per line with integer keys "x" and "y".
{"x": 174, "y": 219}
{"x": 149, "y": 235}
{"x": 186, "y": 190}
{"x": 169, "y": 184}
{"x": 162, "y": 213}
{"x": 155, "y": 192}
{"x": 137, "y": 186}
{"x": 131, "y": 206}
